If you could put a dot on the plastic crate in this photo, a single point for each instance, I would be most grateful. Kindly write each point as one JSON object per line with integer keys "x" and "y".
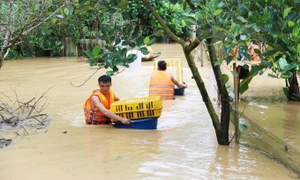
{"x": 175, "y": 67}
{"x": 138, "y": 108}
{"x": 147, "y": 123}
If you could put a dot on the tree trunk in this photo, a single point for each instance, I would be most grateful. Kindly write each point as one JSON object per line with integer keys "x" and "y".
{"x": 293, "y": 88}
{"x": 223, "y": 132}
{"x": 2, "y": 53}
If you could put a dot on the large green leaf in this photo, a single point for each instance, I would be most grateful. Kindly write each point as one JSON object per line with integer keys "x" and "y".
{"x": 96, "y": 51}
{"x": 286, "y": 12}
{"x": 282, "y": 63}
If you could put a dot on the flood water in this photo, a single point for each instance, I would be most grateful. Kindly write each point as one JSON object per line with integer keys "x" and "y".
{"x": 183, "y": 147}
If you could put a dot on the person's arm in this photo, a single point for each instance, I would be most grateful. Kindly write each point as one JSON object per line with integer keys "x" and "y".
{"x": 146, "y": 56}
{"x": 108, "y": 113}
{"x": 180, "y": 85}
{"x": 116, "y": 98}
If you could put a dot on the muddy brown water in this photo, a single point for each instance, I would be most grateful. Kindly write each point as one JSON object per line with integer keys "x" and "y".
{"x": 183, "y": 147}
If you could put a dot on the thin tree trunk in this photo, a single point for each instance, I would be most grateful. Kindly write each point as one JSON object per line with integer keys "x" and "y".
{"x": 293, "y": 85}
{"x": 223, "y": 132}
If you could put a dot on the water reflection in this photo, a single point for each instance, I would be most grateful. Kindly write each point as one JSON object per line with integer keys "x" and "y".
{"x": 276, "y": 114}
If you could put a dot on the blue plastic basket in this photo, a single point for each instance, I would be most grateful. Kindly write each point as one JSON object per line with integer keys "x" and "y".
{"x": 179, "y": 91}
{"x": 146, "y": 123}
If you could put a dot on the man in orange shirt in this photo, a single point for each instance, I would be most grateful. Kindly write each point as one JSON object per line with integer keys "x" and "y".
{"x": 96, "y": 107}
{"x": 162, "y": 82}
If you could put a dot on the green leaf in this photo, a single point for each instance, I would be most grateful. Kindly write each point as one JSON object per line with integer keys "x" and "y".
{"x": 255, "y": 27}
{"x": 291, "y": 23}
{"x": 225, "y": 78}
{"x": 93, "y": 62}
{"x": 111, "y": 11}
{"x": 53, "y": 20}
{"x": 89, "y": 54}
{"x": 96, "y": 51}
{"x": 298, "y": 48}
{"x": 286, "y": 12}
{"x": 218, "y": 62}
{"x": 285, "y": 91}
{"x": 287, "y": 75}
{"x": 243, "y": 127}
{"x": 66, "y": 11}
{"x": 110, "y": 73}
{"x": 295, "y": 33}
{"x": 236, "y": 29}
{"x": 264, "y": 18}
{"x": 242, "y": 19}
{"x": 272, "y": 76}
{"x": 266, "y": 64}
{"x": 81, "y": 2}
{"x": 144, "y": 50}
{"x": 234, "y": 73}
{"x": 217, "y": 12}
{"x": 289, "y": 67}
{"x": 152, "y": 41}
{"x": 190, "y": 21}
{"x": 139, "y": 41}
{"x": 286, "y": 40}
{"x": 123, "y": 4}
{"x": 244, "y": 85}
{"x": 146, "y": 40}
{"x": 282, "y": 63}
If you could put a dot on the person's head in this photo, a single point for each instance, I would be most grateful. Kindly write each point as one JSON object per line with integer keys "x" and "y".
{"x": 132, "y": 44}
{"x": 104, "y": 82}
{"x": 162, "y": 65}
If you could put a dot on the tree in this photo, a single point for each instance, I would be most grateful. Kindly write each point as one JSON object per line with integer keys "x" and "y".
{"x": 19, "y": 18}
{"x": 277, "y": 24}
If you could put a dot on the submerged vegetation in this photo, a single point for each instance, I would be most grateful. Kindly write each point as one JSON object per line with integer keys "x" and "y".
{"x": 22, "y": 118}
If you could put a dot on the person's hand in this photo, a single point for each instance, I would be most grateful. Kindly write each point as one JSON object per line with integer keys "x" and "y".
{"x": 126, "y": 121}
{"x": 185, "y": 85}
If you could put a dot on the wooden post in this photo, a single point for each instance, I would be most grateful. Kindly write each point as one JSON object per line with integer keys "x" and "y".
{"x": 202, "y": 51}
{"x": 236, "y": 80}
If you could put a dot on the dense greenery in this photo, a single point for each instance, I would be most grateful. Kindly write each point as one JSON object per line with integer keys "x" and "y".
{"x": 86, "y": 20}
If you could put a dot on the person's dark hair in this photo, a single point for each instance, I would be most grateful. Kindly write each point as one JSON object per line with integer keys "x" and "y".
{"x": 162, "y": 65}
{"x": 104, "y": 78}
{"x": 132, "y": 44}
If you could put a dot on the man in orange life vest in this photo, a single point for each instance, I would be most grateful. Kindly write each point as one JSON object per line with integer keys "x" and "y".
{"x": 96, "y": 107}
{"x": 162, "y": 82}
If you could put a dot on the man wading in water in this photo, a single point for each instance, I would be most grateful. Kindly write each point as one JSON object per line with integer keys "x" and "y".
{"x": 96, "y": 107}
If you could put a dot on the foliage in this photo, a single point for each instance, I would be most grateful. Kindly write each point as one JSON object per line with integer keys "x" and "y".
{"x": 20, "y": 21}
{"x": 274, "y": 24}
{"x": 170, "y": 11}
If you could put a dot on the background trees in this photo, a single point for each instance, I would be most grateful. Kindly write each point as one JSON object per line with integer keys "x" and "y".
{"x": 19, "y": 18}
